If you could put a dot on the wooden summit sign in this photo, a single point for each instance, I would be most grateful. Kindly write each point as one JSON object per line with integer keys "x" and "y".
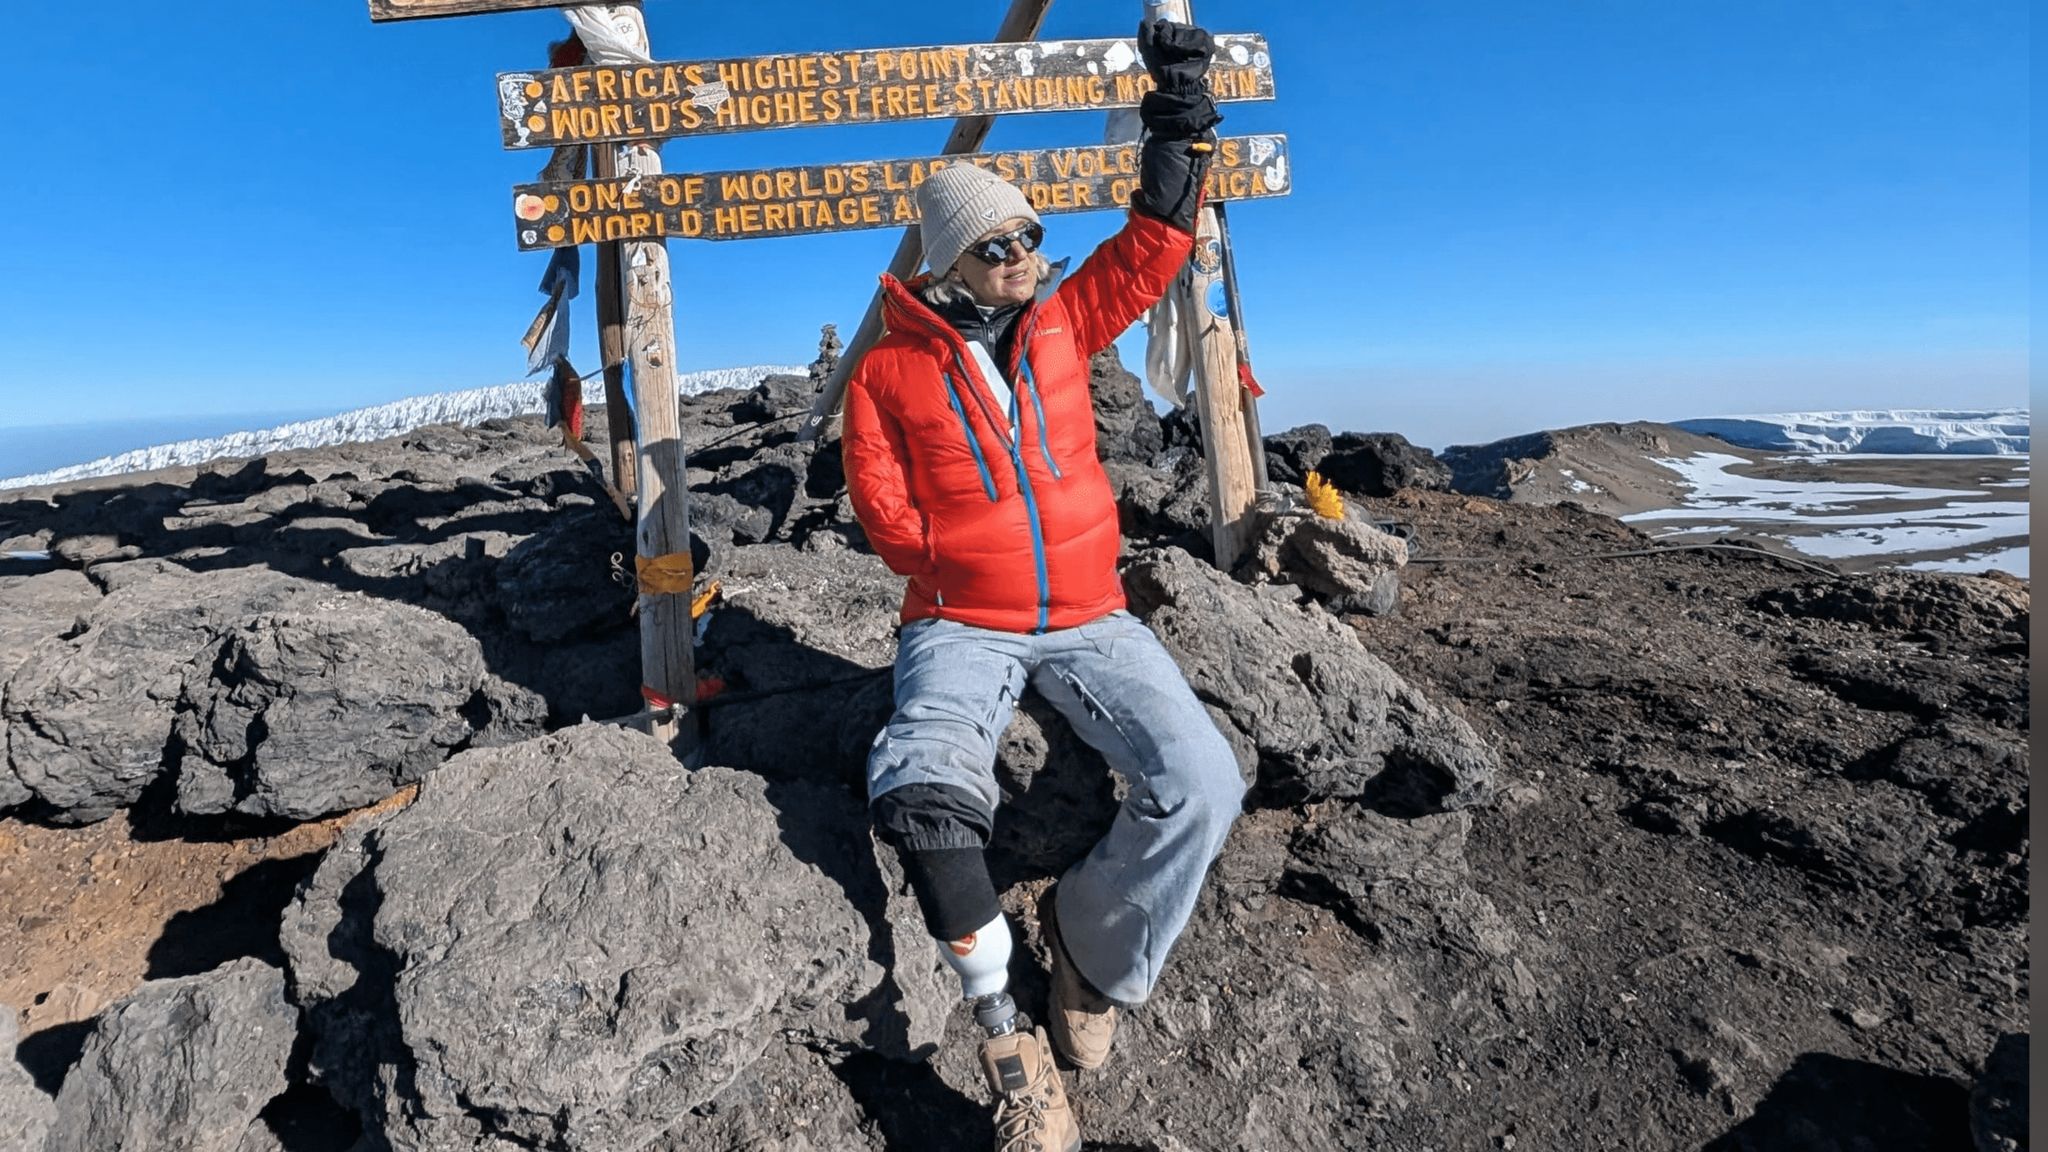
{"x": 420, "y": 9}
{"x": 803, "y": 199}
{"x": 876, "y": 86}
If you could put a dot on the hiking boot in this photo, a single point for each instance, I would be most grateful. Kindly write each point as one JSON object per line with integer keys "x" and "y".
{"x": 1083, "y": 1021}
{"x": 1031, "y": 1104}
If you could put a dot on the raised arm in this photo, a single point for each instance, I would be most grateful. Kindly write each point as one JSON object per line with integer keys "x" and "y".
{"x": 1133, "y": 269}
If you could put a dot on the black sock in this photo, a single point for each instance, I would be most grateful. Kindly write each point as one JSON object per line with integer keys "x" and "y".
{"x": 953, "y": 890}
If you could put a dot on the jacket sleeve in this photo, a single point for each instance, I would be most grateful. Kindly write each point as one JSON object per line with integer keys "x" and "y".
{"x": 878, "y": 479}
{"x": 1122, "y": 278}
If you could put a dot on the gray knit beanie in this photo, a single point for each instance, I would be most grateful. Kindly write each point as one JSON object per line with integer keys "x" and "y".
{"x": 957, "y": 204}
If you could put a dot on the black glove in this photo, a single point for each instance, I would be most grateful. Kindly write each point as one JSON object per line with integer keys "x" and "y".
{"x": 1177, "y": 56}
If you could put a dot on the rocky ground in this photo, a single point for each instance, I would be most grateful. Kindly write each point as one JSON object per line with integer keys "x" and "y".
{"x": 309, "y": 842}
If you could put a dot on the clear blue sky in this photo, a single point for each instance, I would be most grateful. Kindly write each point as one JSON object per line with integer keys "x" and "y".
{"x": 1507, "y": 215}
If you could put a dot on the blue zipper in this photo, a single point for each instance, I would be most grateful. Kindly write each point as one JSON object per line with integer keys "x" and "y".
{"x": 1023, "y": 476}
{"x": 1031, "y": 381}
{"x": 988, "y": 482}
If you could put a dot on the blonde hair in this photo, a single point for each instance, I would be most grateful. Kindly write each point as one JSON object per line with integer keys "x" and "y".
{"x": 945, "y": 291}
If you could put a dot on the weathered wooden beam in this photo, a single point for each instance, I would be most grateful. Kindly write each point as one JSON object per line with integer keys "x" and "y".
{"x": 803, "y": 199}
{"x": 668, "y": 674}
{"x": 611, "y": 344}
{"x": 1221, "y": 399}
{"x": 659, "y": 101}
{"x": 381, "y": 10}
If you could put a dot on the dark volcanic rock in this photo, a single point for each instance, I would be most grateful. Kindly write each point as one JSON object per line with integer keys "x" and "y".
{"x": 185, "y": 1063}
{"x": 814, "y": 634}
{"x": 1126, "y": 427}
{"x": 1293, "y": 454}
{"x": 1307, "y": 707}
{"x": 1955, "y": 606}
{"x": 1349, "y": 564}
{"x": 573, "y": 943}
{"x": 1998, "y": 1103}
{"x": 310, "y": 712}
{"x": 776, "y": 397}
{"x": 1381, "y": 464}
{"x": 33, "y": 609}
{"x": 268, "y": 694}
{"x": 557, "y": 584}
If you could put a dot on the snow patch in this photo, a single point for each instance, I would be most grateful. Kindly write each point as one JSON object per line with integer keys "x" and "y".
{"x": 1912, "y": 431}
{"x": 2013, "y": 560}
{"x": 1836, "y": 520}
{"x": 468, "y": 407}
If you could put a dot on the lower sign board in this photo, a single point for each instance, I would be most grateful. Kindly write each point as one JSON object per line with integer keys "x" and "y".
{"x": 873, "y": 86}
{"x": 420, "y": 9}
{"x": 799, "y": 200}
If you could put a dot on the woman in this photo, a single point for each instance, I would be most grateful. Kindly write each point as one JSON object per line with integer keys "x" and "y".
{"x": 970, "y": 454}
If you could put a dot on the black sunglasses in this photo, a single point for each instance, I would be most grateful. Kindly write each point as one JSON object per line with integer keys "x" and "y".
{"x": 996, "y": 249}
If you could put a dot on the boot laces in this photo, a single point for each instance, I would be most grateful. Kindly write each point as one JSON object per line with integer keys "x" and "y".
{"x": 1020, "y": 1120}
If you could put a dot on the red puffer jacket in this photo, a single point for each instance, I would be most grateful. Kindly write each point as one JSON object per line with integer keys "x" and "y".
{"x": 1018, "y": 535}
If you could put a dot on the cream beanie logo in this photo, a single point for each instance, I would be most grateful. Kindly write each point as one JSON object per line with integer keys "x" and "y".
{"x": 957, "y": 204}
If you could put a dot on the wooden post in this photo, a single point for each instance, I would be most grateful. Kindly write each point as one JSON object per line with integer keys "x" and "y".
{"x": 1020, "y": 23}
{"x": 1226, "y": 451}
{"x": 668, "y": 674}
{"x": 611, "y": 342}
{"x": 1220, "y": 398}
{"x": 1254, "y": 439}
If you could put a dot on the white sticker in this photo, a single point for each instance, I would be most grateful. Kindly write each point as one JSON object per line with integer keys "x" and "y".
{"x": 1120, "y": 56}
{"x": 1276, "y": 174}
{"x": 710, "y": 97}
{"x": 1239, "y": 54}
{"x": 513, "y": 103}
{"x": 1026, "y": 62}
{"x": 1261, "y": 61}
{"x": 1263, "y": 148}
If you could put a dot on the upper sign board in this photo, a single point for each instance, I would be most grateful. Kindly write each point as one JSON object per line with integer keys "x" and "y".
{"x": 807, "y": 198}
{"x": 421, "y": 9}
{"x": 698, "y": 98}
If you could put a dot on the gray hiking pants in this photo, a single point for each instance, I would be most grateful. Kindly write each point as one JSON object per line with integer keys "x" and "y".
{"x": 1123, "y": 905}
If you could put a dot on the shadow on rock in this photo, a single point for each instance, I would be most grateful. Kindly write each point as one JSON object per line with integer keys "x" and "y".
{"x": 49, "y": 1054}
{"x": 243, "y": 922}
{"x": 1827, "y": 1103}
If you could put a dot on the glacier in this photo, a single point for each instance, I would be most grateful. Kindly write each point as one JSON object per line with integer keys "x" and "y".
{"x": 468, "y": 406}
{"x": 1908, "y": 431}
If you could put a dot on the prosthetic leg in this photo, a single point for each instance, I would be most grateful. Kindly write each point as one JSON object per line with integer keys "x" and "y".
{"x": 953, "y": 888}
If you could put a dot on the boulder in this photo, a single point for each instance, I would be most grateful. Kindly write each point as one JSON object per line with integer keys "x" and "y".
{"x": 1126, "y": 427}
{"x": 803, "y": 641}
{"x": 557, "y": 585}
{"x": 1349, "y": 564}
{"x": 573, "y": 943}
{"x": 265, "y": 694}
{"x": 1310, "y": 711}
{"x": 1381, "y": 464}
{"x": 34, "y": 609}
{"x": 1293, "y": 454}
{"x": 185, "y": 1063}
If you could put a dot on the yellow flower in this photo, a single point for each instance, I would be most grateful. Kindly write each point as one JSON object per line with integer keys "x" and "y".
{"x": 1323, "y": 498}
